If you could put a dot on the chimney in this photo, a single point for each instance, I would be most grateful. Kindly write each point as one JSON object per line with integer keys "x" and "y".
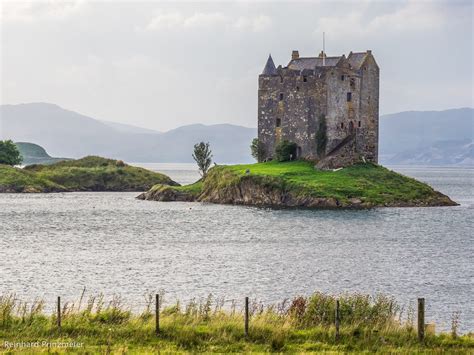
{"x": 295, "y": 54}
{"x": 322, "y": 55}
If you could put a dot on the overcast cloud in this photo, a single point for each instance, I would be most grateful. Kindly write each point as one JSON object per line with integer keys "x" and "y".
{"x": 162, "y": 65}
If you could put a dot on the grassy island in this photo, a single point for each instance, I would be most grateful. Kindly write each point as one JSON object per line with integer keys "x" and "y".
{"x": 86, "y": 174}
{"x": 299, "y": 325}
{"x": 299, "y": 184}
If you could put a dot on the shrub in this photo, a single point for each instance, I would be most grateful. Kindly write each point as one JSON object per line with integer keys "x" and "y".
{"x": 203, "y": 157}
{"x": 285, "y": 151}
{"x": 9, "y": 153}
{"x": 257, "y": 149}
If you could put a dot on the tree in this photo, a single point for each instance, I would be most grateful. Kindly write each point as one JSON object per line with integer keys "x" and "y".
{"x": 285, "y": 151}
{"x": 9, "y": 153}
{"x": 203, "y": 157}
{"x": 257, "y": 149}
{"x": 321, "y": 136}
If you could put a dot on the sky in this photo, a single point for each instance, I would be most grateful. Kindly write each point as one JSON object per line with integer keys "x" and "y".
{"x": 162, "y": 65}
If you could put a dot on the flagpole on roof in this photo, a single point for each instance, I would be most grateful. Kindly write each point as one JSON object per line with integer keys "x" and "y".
{"x": 324, "y": 50}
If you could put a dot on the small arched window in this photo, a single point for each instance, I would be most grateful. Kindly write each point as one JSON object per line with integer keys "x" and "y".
{"x": 359, "y": 124}
{"x": 281, "y": 96}
{"x": 305, "y": 79}
{"x": 278, "y": 122}
{"x": 297, "y": 88}
{"x": 342, "y": 124}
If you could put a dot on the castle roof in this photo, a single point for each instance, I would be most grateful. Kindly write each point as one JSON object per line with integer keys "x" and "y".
{"x": 356, "y": 59}
{"x": 312, "y": 62}
{"x": 269, "y": 67}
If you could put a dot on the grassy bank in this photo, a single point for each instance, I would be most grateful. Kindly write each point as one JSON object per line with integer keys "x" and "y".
{"x": 86, "y": 174}
{"x": 298, "y": 183}
{"x": 303, "y": 324}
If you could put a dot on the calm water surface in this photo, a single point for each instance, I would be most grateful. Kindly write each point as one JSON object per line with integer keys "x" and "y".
{"x": 57, "y": 244}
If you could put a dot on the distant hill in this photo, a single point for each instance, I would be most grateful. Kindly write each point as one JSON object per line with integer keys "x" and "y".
{"x": 35, "y": 154}
{"x": 428, "y": 137}
{"x": 413, "y": 137}
{"x": 66, "y": 133}
{"x": 126, "y": 128}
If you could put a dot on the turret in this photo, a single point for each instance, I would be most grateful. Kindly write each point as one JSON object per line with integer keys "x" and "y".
{"x": 269, "y": 67}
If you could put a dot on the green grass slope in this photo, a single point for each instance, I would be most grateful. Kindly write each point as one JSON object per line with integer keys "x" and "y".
{"x": 19, "y": 180}
{"x": 303, "y": 324}
{"x": 298, "y": 184}
{"x": 86, "y": 174}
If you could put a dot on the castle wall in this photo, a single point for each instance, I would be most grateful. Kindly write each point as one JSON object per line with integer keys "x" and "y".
{"x": 297, "y": 111}
{"x": 292, "y": 102}
{"x": 343, "y": 115}
{"x": 367, "y": 140}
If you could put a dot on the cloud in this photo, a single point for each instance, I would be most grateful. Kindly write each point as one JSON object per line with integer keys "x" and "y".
{"x": 28, "y": 11}
{"x": 206, "y": 20}
{"x": 254, "y": 24}
{"x": 413, "y": 16}
{"x": 178, "y": 20}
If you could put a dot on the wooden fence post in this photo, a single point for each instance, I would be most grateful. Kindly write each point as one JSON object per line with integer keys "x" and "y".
{"x": 337, "y": 319}
{"x": 157, "y": 314}
{"x": 246, "y": 316}
{"x": 421, "y": 319}
{"x": 59, "y": 312}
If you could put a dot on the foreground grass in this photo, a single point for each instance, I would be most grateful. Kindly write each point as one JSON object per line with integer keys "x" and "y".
{"x": 86, "y": 174}
{"x": 302, "y": 325}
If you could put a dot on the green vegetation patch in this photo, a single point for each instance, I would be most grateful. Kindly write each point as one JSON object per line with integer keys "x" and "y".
{"x": 303, "y": 324}
{"x": 19, "y": 180}
{"x": 86, "y": 174}
{"x": 365, "y": 185}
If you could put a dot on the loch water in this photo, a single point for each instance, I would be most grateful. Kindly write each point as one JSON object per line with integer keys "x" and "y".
{"x": 57, "y": 244}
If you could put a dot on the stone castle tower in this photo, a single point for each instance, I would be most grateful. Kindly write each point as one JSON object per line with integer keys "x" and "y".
{"x": 328, "y": 106}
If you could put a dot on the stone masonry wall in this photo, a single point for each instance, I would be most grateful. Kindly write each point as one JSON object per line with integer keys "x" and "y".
{"x": 291, "y": 103}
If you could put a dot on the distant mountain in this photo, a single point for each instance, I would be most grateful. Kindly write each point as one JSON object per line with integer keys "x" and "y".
{"x": 126, "y": 128}
{"x": 35, "y": 154}
{"x": 427, "y": 137}
{"x": 66, "y": 133}
{"x": 459, "y": 153}
{"x": 413, "y": 137}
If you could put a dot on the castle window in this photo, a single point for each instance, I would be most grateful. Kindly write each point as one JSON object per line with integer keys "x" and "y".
{"x": 353, "y": 83}
{"x": 349, "y": 96}
{"x": 305, "y": 79}
{"x": 342, "y": 77}
{"x": 297, "y": 88}
{"x": 281, "y": 96}
{"x": 278, "y": 122}
{"x": 342, "y": 124}
{"x": 359, "y": 124}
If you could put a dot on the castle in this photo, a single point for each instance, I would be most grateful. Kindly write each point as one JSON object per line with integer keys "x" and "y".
{"x": 328, "y": 106}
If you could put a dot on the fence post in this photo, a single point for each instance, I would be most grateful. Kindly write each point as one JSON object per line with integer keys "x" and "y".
{"x": 157, "y": 314}
{"x": 421, "y": 319}
{"x": 337, "y": 319}
{"x": 59, "y": 312}
{"x": 246, "y": 316}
